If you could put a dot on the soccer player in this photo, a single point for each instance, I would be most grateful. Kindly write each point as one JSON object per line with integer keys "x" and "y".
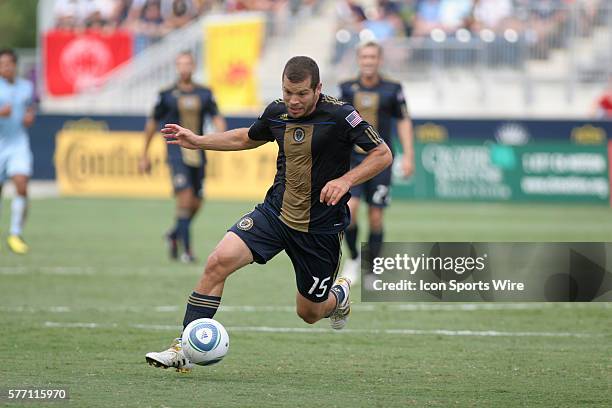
{"x": 186, "y": 103}
{"x": 304, "y": 212}
{"x": 17, "y": 112}
{"x": 378, "y": 100}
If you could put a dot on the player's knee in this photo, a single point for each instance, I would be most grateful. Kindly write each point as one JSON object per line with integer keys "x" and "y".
{"x": 308, "y": 315}
{"x": 22, "y": 191}
{"x": 21, "y": 187}
{"x": 217, "y": 267}
{"x": 376, "y": 222}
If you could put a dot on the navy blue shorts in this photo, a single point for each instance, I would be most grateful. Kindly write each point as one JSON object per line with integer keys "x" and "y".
{"x": 184, "y": 177}
{"x": 376, "y": 191}
{"x": 315, "y": 257}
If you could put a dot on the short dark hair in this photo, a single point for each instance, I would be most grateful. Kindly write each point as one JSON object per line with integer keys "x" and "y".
{"x": 367, "y": 44}
{"x": 185, "y": 53}
{"x": 301, "y": 68}
{"x": 10, "y": 52}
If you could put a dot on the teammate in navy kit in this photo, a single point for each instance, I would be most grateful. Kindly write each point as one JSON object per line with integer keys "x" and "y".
{"x": 186, "y": 103}
{"x": 379, "y": 101}
{"x": 304, "y": 212}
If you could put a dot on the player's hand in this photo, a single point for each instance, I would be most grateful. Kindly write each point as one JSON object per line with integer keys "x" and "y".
{"x": 28, "y": 117}
{"x": 178, "y": 135}
{"x": 6, "y": 110}
{"x": 407, "y": 166}
{"x": 334, "y": 190}
{"x": 144, "y": 165}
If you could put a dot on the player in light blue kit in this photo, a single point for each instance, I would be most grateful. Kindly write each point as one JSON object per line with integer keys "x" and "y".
{"x": 16, "y": 114}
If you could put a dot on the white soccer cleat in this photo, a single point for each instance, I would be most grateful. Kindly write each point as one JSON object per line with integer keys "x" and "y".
{"x": 173, "y": 357}
{"x": 339, "y": 317}
{"x": 351, "y": 269}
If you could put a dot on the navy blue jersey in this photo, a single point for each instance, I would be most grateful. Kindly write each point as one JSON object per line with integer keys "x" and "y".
{"x": 378, "y": 105}
{"x": 312, "y": 151}
{"x": 187, "y": 109}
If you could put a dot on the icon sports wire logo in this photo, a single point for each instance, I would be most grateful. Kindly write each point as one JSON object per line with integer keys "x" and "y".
{"x": 414, "y": 264}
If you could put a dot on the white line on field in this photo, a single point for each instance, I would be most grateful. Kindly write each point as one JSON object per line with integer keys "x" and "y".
{"x": 359, "y": 307}
{"x": 47, "y": 270}
{"x": 266, "y": 329}
{"x": 87, "y": 271}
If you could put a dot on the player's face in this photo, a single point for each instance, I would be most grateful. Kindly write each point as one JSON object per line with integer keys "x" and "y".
{"x": 185, "y": 67}
{"x": 369, "y": 60}
{"x": 299, "y": 97}
{"x": 8, "y": 68}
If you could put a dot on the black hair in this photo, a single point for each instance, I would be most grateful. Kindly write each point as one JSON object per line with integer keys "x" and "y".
{"x": 301, "y": 68}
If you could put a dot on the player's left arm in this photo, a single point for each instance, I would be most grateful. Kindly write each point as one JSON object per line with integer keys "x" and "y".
{"x": 219, "y": 123}
{"x": 404, "y": 130}
{"x": 378, "y": 157}
{"x": 29, "y": 116}
{"x": 30, "y": 111}
{"x": 212, "y": 109}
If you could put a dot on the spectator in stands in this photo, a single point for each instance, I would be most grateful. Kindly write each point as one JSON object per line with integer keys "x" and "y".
{"x": 454, "y": 14}
{"x": 182, "y": 13}
{"x": 427, "y": 17}
{"x": 496, "y": 15}
{"x": 602, "y": 108}
{"x": 80, "y": 14}
{"x": 546, "y": 22}
{"x": 150, "y": 26}
{"x": 121, "y": 12}
{"x": 351, "y": 19}
{"x": 66, "y": 14}
{"x": 385, "y": 22}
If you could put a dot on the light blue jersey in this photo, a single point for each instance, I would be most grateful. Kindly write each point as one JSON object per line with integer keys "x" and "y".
{"x": 19, "y": 96}
{"x": 15, "y": 153}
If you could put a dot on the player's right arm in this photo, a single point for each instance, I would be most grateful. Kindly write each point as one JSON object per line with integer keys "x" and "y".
{"x": 159, "y": 111}
{"x": 5, "y": 111}
{"x": 235, "y": 139}
{"x": 145, "y": 163}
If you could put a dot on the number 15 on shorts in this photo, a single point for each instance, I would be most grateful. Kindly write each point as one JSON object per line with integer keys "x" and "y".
{"x": 320, "y": 286}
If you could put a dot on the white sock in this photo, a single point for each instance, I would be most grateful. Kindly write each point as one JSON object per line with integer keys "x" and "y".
{"x": 18, "y": 209}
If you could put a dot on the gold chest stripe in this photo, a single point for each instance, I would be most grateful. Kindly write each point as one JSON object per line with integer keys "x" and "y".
{"x": 189, "y": 107}
{"x": 295, "y": 210}
{"x": 367, "y": 104}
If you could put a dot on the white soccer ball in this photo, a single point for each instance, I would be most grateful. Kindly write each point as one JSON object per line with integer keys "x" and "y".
{"x": 205, "y": 341}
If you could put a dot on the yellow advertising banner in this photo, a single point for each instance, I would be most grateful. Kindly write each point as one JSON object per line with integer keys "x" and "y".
{"x": 231, "y": 56}
{"x": 245, "y": 174}
{"x": 105, "y": 163}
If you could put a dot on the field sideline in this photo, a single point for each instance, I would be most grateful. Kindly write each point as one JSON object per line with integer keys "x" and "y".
{"x": 97, "y": 292}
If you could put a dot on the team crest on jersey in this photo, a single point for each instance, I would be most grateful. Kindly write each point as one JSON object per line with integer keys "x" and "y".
{"x": 245, "y": 224}
{"x": 367, "y": 100}
{"x": 299, "y": 135}
{"x": 284, "y": 116}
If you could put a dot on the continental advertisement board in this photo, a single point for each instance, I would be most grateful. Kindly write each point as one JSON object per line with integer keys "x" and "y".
{"x": 91, "y": 162}
{"x": 100, "y": 157}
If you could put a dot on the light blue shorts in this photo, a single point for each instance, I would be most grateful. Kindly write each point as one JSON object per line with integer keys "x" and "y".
{"x": 15, "y": 160}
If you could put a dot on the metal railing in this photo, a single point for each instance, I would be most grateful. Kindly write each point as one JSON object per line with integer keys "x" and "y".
{"x": 571, "y": 53}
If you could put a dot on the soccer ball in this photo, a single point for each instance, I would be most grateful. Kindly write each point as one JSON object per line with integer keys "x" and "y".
{"x": 205, "y": 341}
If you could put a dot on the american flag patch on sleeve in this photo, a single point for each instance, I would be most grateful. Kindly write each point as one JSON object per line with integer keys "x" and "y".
{"x": 353, "y": 118}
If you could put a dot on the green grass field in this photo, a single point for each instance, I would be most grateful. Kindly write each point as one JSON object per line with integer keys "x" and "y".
{"x": 97, "y": 292}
